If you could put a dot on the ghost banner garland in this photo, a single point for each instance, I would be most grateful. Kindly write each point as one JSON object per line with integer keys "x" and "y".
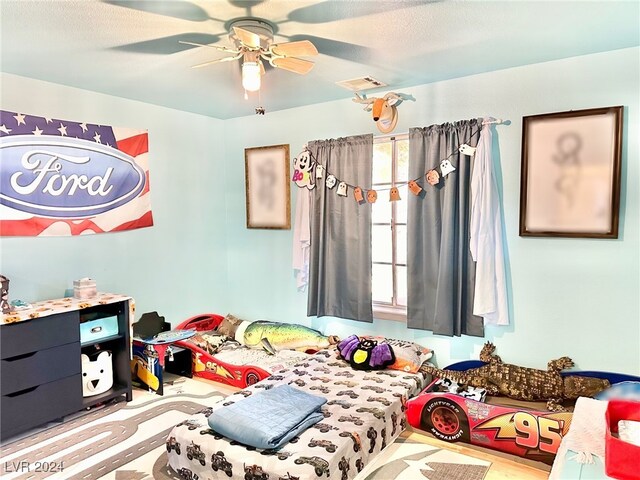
{"x": 304, "y": 165}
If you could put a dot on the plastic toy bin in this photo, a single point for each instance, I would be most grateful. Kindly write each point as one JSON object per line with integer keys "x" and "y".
{"x": 96, "y": 330}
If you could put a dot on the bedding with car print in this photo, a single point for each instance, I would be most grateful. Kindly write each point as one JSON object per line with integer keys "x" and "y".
{"x": 363, "y": 414}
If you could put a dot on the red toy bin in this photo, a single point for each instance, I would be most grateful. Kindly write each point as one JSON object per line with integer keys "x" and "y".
{"x": 621, "y": 458}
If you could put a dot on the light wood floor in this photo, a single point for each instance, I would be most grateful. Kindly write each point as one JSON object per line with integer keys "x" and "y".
{"x": 501, "y": 468}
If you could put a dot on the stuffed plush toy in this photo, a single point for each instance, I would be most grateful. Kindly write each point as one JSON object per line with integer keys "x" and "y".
{"x": 274, "y": 336}
{"x": 97, "y": 376}
{"x": 522, "y": 383}
{"x": 366, "y": 354}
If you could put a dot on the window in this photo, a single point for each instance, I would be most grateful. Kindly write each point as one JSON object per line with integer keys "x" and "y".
{"x": 389, "y": 228}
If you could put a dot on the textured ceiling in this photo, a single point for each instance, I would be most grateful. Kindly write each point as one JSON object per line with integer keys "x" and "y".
{"x": 130, "y": 48}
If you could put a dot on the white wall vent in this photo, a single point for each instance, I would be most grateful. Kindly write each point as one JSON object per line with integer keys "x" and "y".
{"x": 360, "y": 84}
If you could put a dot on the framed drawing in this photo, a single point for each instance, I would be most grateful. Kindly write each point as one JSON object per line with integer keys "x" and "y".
{"x": 570, "y": 179}
{"x": 267, "y": 187}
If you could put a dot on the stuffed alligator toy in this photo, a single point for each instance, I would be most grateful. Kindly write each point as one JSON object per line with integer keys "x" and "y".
{"x": 523, "y": 383}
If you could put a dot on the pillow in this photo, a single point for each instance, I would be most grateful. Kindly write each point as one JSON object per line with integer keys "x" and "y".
{"x": 209, "y": 341}
{"x": 628, "y": 390}
{"x": 409, "y": 356}
{"x": 229, "y": 325}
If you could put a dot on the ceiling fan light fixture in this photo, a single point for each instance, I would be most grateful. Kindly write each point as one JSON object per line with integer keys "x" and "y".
{"x": 251, "y": 76}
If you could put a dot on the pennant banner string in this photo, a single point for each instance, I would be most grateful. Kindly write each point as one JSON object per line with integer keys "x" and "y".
{"x": 460, "y": 149}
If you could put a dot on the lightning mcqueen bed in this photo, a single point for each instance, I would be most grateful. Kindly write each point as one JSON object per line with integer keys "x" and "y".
{"x": 525, "y": 429}
{"x": 364, "y": 413}
{"x": 217, "y": 358}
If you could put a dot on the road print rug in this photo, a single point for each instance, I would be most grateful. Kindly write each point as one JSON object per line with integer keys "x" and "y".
{"x": 119, "y": 441}
{"x": 127, "y": 442}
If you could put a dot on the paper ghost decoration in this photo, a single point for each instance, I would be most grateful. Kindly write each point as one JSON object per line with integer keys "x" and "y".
{"x": 357, "y": 194}
{"x": 394, "y": 195}
{"x": 302, "y": 168}
{"x": 414, "y": 187}
{"x": 372, "y": 196}
{"x": 446, "y": 168}
{"x": 319, "y": 171}
{"x": 331, "y": 181}
{"x": 467, "y": 150}
{"x": 97, "y": 376}
{"x": 432, "y": 177}
{"x": 342, "y": 189}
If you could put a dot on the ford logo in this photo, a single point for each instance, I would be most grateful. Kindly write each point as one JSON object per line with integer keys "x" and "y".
{"x": 65, "y": 177}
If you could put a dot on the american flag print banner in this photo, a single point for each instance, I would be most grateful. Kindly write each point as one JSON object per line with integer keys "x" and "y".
{"x": 61, "y": 178}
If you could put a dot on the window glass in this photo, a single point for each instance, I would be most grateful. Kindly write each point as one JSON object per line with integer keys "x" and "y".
{"x": 381, "y": 211}
{"x": 401, "y": 244}
{"x": 389, "y": 246}
{"x": 382, "y": 163}
{"x": 381, "y": 243}
{"x": 401, "y": 276}
{"x": 402, "y": 156}
{"x": 382, "y": 283}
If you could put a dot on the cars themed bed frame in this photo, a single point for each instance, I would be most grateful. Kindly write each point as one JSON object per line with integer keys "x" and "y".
{"x": 208, "y": 366}
{"x": 530, "y": 433}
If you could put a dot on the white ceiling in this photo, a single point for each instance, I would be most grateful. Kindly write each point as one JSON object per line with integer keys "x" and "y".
{"x": 130, "y": 48}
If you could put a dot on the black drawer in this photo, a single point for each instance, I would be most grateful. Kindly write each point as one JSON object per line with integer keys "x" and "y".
{"x": 38, "y": 334}
{"x": 31, "y": 369}
{"x": 29, "y": 408}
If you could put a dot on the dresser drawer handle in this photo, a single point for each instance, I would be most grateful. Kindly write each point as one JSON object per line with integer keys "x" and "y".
{"x": 19, "y": 357}
{"x": 96, "y": 329}
{"x": 22, "y": 392}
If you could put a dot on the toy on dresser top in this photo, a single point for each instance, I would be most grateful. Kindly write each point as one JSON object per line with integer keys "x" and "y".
{"x": 522, "y": 383}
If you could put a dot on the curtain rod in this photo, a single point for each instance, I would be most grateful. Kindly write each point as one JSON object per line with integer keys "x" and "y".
{"x": 393, "y": 136}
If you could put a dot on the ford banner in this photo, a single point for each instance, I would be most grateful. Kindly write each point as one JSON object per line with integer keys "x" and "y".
{"x": 69, "y": 178}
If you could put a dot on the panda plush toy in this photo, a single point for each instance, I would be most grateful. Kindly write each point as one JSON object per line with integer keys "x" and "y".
{"x": 97, "y": 375}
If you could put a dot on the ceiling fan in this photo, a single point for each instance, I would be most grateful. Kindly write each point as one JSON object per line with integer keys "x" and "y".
{"x": 252, "y": 40}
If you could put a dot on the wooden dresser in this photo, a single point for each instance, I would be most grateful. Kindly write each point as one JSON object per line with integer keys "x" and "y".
{"x": 40, "y": 360}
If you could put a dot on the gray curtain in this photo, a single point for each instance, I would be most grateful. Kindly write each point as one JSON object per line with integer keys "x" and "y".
{"x": 340, "y": 258}
{"x": 441, "y": 272}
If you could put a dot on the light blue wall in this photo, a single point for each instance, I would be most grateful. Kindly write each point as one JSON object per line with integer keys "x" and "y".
{"x": 570, "y": 297}
{"x": 178, "y": 266}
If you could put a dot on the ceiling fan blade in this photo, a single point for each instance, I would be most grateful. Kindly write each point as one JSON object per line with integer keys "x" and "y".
{"x": 217, "y": 47}
{"x": 248, "y": 38}
{"x": 333, "y": 10}
{"x": 338, "y": 49}
{"x": 292, "y": 64}
{"x": 245, "y": 3}
{"x": 219, "y": 60}
{"x": 168, "y": 45}
{"x": 183, "y": 10}
{"x": 302, "y": 48}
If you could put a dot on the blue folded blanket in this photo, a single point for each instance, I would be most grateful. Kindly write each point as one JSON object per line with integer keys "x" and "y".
{"x": 268, "y": 419}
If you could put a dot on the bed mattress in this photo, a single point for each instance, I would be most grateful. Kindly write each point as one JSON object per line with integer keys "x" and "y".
{"x": 240, "y": 355}
{"x": 364, "y": 413}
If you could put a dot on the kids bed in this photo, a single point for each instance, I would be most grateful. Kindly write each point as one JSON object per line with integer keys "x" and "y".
{"x": 522, "y": 428}
{"x": 363, "y": 414}
{"x": 221, "y": 359}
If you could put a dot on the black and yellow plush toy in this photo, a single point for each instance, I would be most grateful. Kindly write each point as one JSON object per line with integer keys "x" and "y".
{"x": 366, "y": 354}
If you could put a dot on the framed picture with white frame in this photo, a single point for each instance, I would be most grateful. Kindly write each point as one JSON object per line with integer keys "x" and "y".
{"x": 267, "y": 187}
{"x": 570, "y": 178}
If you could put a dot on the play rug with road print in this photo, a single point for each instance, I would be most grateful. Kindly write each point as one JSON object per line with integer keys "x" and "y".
{"x": 127, "y": 442}
{"x": 119, "y": 441}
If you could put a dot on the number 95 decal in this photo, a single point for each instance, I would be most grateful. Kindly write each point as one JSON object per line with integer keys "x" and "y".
{"x": 530, "y": 431}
